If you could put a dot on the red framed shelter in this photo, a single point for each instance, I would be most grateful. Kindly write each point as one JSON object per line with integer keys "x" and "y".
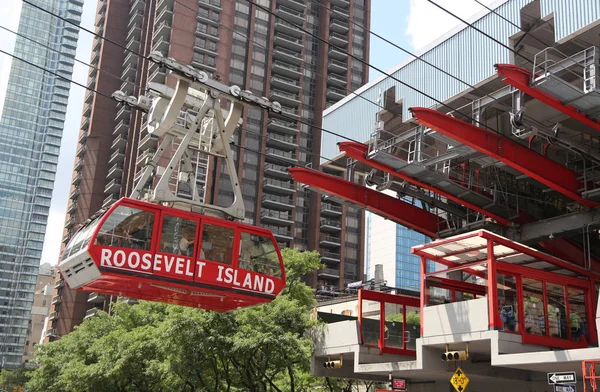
{"x": 389, "y": 322}
{"x": 546, "y": 300}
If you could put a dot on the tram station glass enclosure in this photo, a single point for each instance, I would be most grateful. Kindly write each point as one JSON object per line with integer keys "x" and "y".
{"x": 509, "y": 287}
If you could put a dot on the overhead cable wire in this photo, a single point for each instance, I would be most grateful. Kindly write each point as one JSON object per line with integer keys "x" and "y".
{"x": 144, "y": 57}
{"x": 481, "y": 31}
{"x": 64, "y": 54}
{"x": 370, "y": 65}
{"x": 56, "y": 74}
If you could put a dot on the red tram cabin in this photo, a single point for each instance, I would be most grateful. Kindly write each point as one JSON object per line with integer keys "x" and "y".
{"x": 148, "y": 251}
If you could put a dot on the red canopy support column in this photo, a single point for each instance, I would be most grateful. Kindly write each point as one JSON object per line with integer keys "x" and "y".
{"x": 536, "y": 166}
{"x": 494, "y": 317}
{"x": 423, "y": 289}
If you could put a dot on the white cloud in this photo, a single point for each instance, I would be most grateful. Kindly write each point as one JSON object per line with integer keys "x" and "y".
{"x": 426, "y": 22}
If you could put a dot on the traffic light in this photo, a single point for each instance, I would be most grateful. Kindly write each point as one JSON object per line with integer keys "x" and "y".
{"x": 455, "y": 356}
{"x": 450, "y": 356}
{"x": 335, "y": 364}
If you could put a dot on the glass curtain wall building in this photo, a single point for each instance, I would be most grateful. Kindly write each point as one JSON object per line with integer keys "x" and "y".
{"x": 31, "y": 128}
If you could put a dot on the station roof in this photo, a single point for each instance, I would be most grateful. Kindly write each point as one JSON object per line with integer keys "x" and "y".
{"x": 472, "y": 248}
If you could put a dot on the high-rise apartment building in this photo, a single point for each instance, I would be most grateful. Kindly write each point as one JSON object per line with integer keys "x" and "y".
{"x": 42, "y": 298}
{"x": 31, "y": 128}
{"x": 244, "y": 45}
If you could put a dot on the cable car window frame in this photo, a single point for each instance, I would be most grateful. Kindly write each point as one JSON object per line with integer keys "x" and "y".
{"x": 234, "y": 241}
{"x": 276, "y": 268}
{"x": 181, "y": 215}
{"x": 112, "y": 213}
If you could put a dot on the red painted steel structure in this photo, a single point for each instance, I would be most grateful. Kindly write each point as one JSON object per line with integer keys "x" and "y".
{"x": 236, "y": 265}
{"x": 397, "y": 210}
{"x": 536, "y": 166}
{"x": 585, "y": 281}
{"x": 397, "y": 301}
{"x": 520, "y": 78}
{"x": 359, "y": 152}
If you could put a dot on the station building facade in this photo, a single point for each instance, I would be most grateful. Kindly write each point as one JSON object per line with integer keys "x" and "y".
{"x": 514, "y": 292}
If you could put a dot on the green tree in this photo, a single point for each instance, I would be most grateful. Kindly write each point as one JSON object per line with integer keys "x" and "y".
{"x": 159, "y": 347}
{"x": 10, "y": 379}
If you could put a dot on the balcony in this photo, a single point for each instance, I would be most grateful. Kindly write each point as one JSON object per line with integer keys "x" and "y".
{"x": 289, "y": 56}
{"x": 85, "y": 124}
{"x": 146, "y": 155}
{"x": 90, "y": 313}
{"x": 53, "y": 316}
{"x": 289, "y": 114}
{"x": 136, "y": 18}
{"x": 129, "y": 71}
{"x": 278, "y": 171}
{"x": 57, "y": 299}
{"x": 148, "y": 142}
{"x": 159, "y": 75}
{"x": 287, "y": 143}
{"x": 124, "y": 113}
{"x": 284, "y": 27}
{"x": 340, "y": 13}
{"x": 327, "y": 241}
{"x": 335, "y": 94}
{"x": 82, "y": 137}
{"x": 329, "y": 273}
{"x": 278, "y": 187}
{"x": 279, "y": 203}
{"x": 338, "y": 40}
{"x": 278, "y": 156}
{"x": 328, "y": 209}
{"x": 336, "y": 80}
{"x": 117, "y": 156}
{"x": 109, "y": 201}
{"x": 72, "y": 209}
{"x": 119, "y": 142}
{"x": 338, "y": 54}
{"x": 339, "y": 27}
{"x": 164, "y": 15}
{"x": 284, "y": 98}
{"x": 161, "y": 45}
{"x": 137, "y": 5}
{"x": 133, "y": 33}
{"x": 122, "y": 128}
{"x": 276, "y": 218}
{"x": 96, "y": 298}
{"x": 80, "y": 151}
{"x": 74, "y": 194}
{"x": 341, "y": 3}
{"x": 162, "y": 30}
{"x": 297, "y": 5}
{"x": 329, "y": 225}
{"x": 330, "y": 257}
{"x": 336, "y": 66}
{"x": 212, "y": 4}
{"x": 113, "y": 187}
{"x": 210, "y": 18}
{"x": 116, "y": 171}
{"x": 130, "y": 59}
{"x": 87, "y": 110}
{"x": 59, "y": 284}
{"x": 284, "y": 83}
{"x": 77, "y": 179}
{"x": 290, "y": 15}
{"x": 127, "y": 88}
{"x": 286, "y": 127}
{"x": 283, "y": 235}
{"x": 78, "y": 165}
{"x": 288, "y": 42}
{"x": 51, "y": 333}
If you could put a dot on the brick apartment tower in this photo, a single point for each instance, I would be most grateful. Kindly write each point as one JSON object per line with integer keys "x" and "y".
{"x": 246, "y": 46}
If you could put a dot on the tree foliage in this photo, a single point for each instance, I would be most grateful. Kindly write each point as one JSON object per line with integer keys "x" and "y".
{"x": 158, "y": 347}
{"x": 13, "y": 379}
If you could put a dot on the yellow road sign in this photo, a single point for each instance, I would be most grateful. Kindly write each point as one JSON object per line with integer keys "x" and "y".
{"x": 459, "y": 380}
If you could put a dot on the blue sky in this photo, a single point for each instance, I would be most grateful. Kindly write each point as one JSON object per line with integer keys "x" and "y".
{"x": 412, "y": 24}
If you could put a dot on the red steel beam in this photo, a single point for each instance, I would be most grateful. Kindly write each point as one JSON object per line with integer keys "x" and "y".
{"x": 359, "y": 152}
{"x": 520, "y": 78}
{"x": 397, "y": 210}
{"x": 536, "y": 166}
